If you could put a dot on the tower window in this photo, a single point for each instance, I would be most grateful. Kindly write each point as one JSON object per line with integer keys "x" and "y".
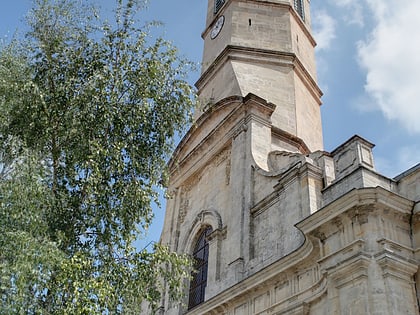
{"x": 299, "y": 8}
{"x": 217, "y": 5}
{"x": 199, "y": 275}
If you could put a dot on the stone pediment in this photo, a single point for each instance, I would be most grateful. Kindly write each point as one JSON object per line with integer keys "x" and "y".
{"x": 207, "y": 132}
{"x": 216, "y": 127}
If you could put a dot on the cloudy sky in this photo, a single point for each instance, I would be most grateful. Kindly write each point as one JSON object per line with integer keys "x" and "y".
{"x": 368, "y": 58}
{"x": 368, "y": 67}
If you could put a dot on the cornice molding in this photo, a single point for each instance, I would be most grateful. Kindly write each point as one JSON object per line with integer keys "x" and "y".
{"x": 291, "y": 139}
{"x": 260, "y": 56}
{"x": 356, "y": 198}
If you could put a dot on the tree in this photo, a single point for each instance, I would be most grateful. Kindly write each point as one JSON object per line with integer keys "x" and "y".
{"x": 89, "y": 112}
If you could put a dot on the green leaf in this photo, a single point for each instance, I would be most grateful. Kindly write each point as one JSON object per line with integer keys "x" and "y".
{"x": 89, "y": 112}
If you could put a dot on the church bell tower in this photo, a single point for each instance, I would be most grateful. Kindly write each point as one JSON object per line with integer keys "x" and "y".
{"x": 265, "y": 48}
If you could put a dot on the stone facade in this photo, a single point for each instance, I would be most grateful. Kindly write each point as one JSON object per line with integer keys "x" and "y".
{"x": 296, "y": 230}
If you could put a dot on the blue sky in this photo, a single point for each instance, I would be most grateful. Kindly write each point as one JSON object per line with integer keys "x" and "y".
{"x": 368, "y": 59}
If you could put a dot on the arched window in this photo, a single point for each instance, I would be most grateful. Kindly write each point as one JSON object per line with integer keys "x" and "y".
{"x": 199, "y": 275}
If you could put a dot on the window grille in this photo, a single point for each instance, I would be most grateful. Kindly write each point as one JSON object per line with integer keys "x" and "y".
{"x": 218, "y": 4}
{"x": 299, "y": 8}
{"x": 199, "y": 275}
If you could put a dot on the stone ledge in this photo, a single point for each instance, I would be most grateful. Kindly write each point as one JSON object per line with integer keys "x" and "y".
{"x": 394, "y": 266}
{"x": 354, "y": 247}
{"x": 353, "y": 268}
{"x": 356, "y": 198}
{"x": 392, "y": 247}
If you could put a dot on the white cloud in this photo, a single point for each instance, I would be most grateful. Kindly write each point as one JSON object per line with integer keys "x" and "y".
{"x": 391, "y": 58}
{"x": 324, "y": 29}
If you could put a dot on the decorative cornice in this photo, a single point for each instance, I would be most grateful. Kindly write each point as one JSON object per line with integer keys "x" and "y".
{"x": 176, "y": 161}
{"x": 234, "y": 52}
{"x": 299, "y": 304}
{"x": 267, "y": 107}
{"x": 354, "y": 248}
{"x": 194, "y": 129}
{"x": 258, "y": 55}
{"x": 265, "y": 204}
{"x": 394, "y": 247}
{"x": 395, "y": 266}
{"x": 291, "y": 139}
{"x": 355, "y": 198}
{"x": 356, "y": 267}
{"x": 355, "y": 138}
{"x": 414, "y": 169}
{"x": 218, "y": 234}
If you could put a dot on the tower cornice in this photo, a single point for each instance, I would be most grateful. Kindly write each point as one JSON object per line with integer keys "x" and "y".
{"x": 260, "y": 56}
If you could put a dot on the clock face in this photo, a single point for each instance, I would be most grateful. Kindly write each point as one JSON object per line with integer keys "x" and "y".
{"x": 217, "y": 27}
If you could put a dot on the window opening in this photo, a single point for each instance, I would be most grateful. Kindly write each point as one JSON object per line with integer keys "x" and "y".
{"x": 299, "y": 8}
{"x": 217, "y": 5}
{"x": 199, "y": 275}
